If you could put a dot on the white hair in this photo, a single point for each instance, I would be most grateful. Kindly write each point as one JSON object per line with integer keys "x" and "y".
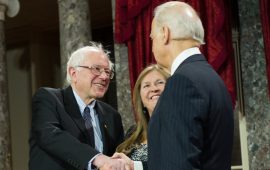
{"x": 183, "y": 25}
{"x": 78, "y": 56}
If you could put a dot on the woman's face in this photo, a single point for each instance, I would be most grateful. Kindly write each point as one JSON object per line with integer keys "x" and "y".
{"x": 152, "y": 86}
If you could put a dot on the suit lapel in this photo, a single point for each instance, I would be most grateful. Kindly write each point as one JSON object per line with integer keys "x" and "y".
{"x": 73, "y": 110}
{"x": 103, "y": 125}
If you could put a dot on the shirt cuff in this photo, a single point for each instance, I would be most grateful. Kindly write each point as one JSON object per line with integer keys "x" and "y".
{"x": 90, "y": 165}
{"x": 138, "y": 165}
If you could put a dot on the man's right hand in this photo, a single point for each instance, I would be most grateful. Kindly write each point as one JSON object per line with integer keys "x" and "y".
{"x": 106, "y": 163}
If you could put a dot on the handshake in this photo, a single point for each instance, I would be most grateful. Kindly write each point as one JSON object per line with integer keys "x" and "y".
{"x": 118, "y": 161}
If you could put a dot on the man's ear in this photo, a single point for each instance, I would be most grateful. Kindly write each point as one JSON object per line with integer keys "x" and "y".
{"x": 166, "y": 34}
{"x": 72, "y": 73}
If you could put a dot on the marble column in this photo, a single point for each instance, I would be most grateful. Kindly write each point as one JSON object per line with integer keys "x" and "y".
{"x": 5, "y": 151}
{"x": 75, "y": 29}
{"x": 257, "y": 105}
{"x": 124, "y": 101}
{"x": 11, "y": 8}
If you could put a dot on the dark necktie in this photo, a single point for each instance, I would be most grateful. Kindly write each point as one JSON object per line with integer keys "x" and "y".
{"x": 88, "y": 124}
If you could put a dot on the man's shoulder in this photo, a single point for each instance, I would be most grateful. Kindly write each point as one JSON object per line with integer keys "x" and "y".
{"x": 49, "y": 92}
{"x": 48, "y": 89}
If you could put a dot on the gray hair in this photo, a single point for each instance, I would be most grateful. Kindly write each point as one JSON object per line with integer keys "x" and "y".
{"x": 183, "y": 25}
{"x": 78, "y": 56}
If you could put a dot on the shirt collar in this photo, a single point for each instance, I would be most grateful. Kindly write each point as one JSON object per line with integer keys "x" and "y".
{"x": 81, "y": 104}
{"x": 183, "y": 56}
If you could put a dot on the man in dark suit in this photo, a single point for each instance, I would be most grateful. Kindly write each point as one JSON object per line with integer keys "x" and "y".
{"x": 192, "y": 124}
{"x": 71, "y": 129}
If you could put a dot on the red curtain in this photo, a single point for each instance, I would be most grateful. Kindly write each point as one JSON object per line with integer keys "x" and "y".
{"x": 133, "y": 25}
{"x": 265, "y": 19}
{"x": 216, "y": 17}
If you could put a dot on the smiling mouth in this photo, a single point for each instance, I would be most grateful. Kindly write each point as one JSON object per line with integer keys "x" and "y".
{"x": 100, "y": 85}
{"x": 154, "y": 97}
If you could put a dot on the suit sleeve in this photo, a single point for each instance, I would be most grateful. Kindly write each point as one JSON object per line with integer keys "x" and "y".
{"x": 49, "y": 135}
{"x": 183, "y": 111}
{"x": 144, "y": 164}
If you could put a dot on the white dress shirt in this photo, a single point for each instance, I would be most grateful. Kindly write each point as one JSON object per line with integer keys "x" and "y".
{"x": 183, "y": 56}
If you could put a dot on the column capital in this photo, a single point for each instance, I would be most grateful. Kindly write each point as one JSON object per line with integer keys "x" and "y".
{"x": 10, "y": 7}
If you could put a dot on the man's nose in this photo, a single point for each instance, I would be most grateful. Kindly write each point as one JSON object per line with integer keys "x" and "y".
{"x": 103, "y": 75}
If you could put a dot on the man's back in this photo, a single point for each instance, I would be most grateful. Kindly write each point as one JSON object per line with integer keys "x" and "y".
{"x": 192, "y": 126}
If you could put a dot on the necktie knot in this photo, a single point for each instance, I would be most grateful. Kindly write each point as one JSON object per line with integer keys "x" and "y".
{"x": 86, "y": 110}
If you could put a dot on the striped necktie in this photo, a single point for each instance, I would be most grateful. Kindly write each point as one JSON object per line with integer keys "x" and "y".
{"x": 88, "y": 124}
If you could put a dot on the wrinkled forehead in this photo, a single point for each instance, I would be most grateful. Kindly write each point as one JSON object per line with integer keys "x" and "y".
{"x": 96, "y": 57}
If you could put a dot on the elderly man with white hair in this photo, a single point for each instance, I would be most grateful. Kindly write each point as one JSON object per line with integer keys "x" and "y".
{"x": 71, "y": 129}
{"x": 192, "y": 124}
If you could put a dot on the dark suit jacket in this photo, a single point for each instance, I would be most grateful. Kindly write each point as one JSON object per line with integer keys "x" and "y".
{"x": 59, "y": 139}
{"x": 192, "y": 124}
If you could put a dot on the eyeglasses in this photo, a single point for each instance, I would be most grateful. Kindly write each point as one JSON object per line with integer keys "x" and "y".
{"x": 97, "y": 70}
